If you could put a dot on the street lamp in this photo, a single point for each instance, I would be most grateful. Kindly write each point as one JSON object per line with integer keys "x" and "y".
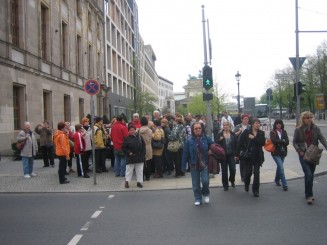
{"x": 238, "y": 78}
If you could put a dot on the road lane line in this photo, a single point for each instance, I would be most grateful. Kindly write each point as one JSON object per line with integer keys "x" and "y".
{"x": 111, "y": 196}
{"x": 96, "y": 214}
{"x": 75, "y": 240}
{"x": 86, "y": 226}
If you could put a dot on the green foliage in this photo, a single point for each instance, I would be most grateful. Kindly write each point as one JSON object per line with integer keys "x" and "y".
{"x": 144, "y": 102}
{"x": 313, "y": 74}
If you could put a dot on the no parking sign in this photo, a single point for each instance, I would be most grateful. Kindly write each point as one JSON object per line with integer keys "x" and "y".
{"x": 92, "y": 87}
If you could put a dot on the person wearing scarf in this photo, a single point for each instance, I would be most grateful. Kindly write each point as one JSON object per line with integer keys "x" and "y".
{"x": 196, "y": 150}
{"x": 280, "y": 140}
{"x": 305, "y": 134}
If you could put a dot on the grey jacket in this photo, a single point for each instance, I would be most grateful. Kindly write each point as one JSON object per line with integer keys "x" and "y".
{"x": 30, "y": 147}
{"x": 299, "y": 142}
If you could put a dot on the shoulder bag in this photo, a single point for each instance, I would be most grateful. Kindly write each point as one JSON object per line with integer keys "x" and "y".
{"x": 313, "y": 154}
{"x": 20, "y": 144}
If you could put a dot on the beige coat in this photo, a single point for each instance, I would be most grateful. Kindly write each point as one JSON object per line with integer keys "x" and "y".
{"x": 30, "y": 147}
{"x": 146, "y": 133}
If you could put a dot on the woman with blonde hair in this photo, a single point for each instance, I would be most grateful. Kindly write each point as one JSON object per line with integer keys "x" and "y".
{"x": 305, "y": 134}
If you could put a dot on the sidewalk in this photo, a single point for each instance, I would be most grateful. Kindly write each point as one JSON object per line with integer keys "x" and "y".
{"x": 12, "y": 181}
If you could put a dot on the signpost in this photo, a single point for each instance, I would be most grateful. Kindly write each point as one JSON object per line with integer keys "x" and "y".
{"x": 92, "y": 87}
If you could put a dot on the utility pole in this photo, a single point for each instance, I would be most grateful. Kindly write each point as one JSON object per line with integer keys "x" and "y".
{"x": 207, "y": 79}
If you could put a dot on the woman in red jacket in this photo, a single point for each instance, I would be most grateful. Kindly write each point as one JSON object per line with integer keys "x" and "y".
{"x": 79, "y": 148}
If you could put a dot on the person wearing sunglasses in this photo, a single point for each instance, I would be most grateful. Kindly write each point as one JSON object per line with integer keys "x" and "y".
{"x": 196, "y": 150}
{"x": 305, "y": 134}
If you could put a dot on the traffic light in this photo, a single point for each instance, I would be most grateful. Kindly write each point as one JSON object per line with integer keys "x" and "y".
{"x": 207, "y": 77}
{"x": 300, "y": 87}
{"x": 269, "y": 94}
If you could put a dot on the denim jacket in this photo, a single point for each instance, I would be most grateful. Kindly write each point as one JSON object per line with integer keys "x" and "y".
{"x": 190, "y": 152}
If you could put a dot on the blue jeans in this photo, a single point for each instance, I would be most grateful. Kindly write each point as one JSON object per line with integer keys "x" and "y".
{"x": 28, "y": 165}
{"x": 280, "y": 175}
{"x": 120, "y": 164}
{"x": 309, "y": 171}
{"x": 198, "y": 175}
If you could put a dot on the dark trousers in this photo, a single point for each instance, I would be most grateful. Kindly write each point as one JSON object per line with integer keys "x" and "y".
{"x": 167, "y": 164}
{"x": 147, "y": 169}
{"x": 158, "y": 164}
{"x": 228, "y": 164}
{"x": 242, "y": 163}
{"x": 47, "y": 155}
{"x": 70, "y": 161}
{"x": 85, "y": 159}
{"x": 249, "y": 168}
{"x": 79, "y": 164}
{"x": 62, "y": 168}
{"x": 176, "y": 159}
{"x": 100, "y": 159}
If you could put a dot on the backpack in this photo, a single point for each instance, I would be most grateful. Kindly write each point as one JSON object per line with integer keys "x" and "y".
{"x": 174, "y": 134}
{"x": 174, "y": 142}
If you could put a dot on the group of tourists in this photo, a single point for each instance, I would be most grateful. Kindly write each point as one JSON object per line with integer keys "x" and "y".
{"x": 163, "y": 145}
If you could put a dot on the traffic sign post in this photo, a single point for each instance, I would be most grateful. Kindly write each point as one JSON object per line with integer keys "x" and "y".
{"x": 92, "y": 87}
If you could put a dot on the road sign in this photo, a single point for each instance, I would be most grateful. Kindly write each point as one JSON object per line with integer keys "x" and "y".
{"x": 284, "y": 76}
{"x": 293, "y": 61}
{"x": 320, "y": 102}
{"x": 92, "y": 87}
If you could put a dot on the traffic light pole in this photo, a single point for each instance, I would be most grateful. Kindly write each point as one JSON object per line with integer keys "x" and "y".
{"x": 208, "y": 104}
{"x": 297, "y": 65}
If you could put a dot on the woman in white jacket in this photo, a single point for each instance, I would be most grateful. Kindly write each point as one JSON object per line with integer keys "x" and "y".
{"x": 29, "y": 150}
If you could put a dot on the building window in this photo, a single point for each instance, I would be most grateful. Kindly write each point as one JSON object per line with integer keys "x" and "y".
{"x": 64, "y": 45}
{"x": 14, "y": 22}
{"x": 89, "y": 20}
{"x": 81, "y": 108}
{"x": 47, "y": 105}
{"x": 18, "y": 105}
{"x": 79, "y": 8}
{"x": 78, "y": 54}
{"x": 67, "y": 108}
{"x": 44, "y": 31}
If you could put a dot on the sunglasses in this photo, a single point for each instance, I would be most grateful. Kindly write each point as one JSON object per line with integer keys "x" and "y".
{"x": 307, "y": 117}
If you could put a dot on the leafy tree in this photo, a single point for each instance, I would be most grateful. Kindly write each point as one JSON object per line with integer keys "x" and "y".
{"x": 144, "y": 102}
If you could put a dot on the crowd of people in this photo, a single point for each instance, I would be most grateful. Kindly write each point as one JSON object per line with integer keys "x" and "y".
{"x": 171, "y": 144}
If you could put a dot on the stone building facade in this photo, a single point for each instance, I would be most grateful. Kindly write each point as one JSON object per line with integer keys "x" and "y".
{"x": 50, "y": 48}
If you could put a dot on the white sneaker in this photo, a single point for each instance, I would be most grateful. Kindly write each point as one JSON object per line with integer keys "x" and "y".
{"x": 32, "y": 174}
{"x": 197, "y": 203}
{"x": 206, "y": 199}
{"x": 27, "y": 176}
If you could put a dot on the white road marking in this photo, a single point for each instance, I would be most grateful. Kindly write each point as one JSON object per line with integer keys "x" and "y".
{"x": 96, "y": 214}
{"x": 102, "y": 207}
{"x": 111, "y": 196}
{"x": 86, "y": 226}
{"x": 75, "y": 240}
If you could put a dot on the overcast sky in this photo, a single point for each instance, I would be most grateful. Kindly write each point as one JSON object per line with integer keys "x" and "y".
{"x": 254, "y": 37}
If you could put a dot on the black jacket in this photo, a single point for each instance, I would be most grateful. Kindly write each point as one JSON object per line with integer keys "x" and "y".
{"x": 136, "y": 146}
{"x": 255, "y": 145}
{"x": 280, "y": 144}
{"x": 223, "y": 141}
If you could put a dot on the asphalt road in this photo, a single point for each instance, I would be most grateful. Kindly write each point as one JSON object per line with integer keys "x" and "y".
{"x": 166, "y": 217}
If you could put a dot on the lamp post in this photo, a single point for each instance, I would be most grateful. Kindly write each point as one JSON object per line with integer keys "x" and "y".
{"x": 238, "y": 78}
